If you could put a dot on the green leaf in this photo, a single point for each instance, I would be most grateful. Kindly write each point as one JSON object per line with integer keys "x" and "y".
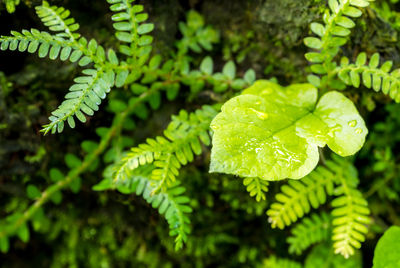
{"x": 359, "y": 3}
{"x": 314, "y": 80}
{"x": 33, "y": 192}
{"x": 361, "y": 59}
{"x": 314, "y": 57}
{"x": 23, "y": 233}
{"x": 145, "y": 28}
{"x": 206, "y": 65}
{"x": 4, "y": 244}
{"x": 117, "y": 106}
{"x": 121, "y": 78}
{"x": 56, "y": 175}
{"x": 75, "y": 185}
{"x": 374, "y": 61}
{"x": 250, "y": 76}
{"x": 274, "y": 133}
{"x": 56, "y": 197}
{"x": 229, "y": 69}
{"x": 317, "y": 28}
{"x": 387, "y": 252}
{"x": 72, "y": 161}
{"x": 313, "y": 42}
{"x": 112, "y": 57}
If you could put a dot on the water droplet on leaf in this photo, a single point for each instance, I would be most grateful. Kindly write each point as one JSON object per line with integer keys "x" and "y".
{"x": 266, "y": 91}
{"x": 359, "y": 131}
{"x": 352, "y": 123}
{"x": 259, "y": 114}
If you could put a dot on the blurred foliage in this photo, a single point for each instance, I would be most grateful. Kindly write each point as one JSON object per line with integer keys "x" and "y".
{"x": 228, "y": 226}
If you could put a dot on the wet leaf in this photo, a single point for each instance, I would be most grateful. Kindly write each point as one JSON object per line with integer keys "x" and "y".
{"x": 273, "y": 133}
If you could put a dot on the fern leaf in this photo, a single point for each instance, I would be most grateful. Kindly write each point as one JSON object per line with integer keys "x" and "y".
{"x": 84, "y": 97}
{"x": 54, "y": 47}
{"x": 58, "y": 20}
{"x": 172, "y": 203}
{"x": 350, "y": 216}
{"x": 338, "y": 22}
{"x": 256, "y": 187}
{"x": 311, "y": 230}
{"x": 182, "y": 142}
{"x": 298, "y": 196}
{"x": 130, "y": 26}
{"x": 371, "y": 75}
{"x": 350, "y": 213}
{"x": 11, "y": 4}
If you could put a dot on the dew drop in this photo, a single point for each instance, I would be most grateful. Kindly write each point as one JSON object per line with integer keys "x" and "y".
{"x": 260, "y": 115}
{"x": 258, "y": 102}
{"x": 359, "y": 131}
{"x": 352, "y": 123}
{"x": 266, "y": 92}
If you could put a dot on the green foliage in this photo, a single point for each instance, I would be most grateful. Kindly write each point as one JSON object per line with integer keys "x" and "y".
{"x": 172, "y": 203}
{"x": 11, "y": 5}
{"x": 274, "y": 262}
{"x": 298, "y": 197}
{"x": 350, "y": 215}
{"x": 86, "y": 94}
{"x": 371, "y": 75}
{"x": 132, "y": 31}
{"x": 386, "y": 251}
{"x": 267, "y": 132}
{"x": 182, "y": 142}
{"x": 256, "y": 187}
{"x": 350, "y": 211}
{"x": 331, "y": 36}
{"x": 57, "y": 19}
{"x": 323, "y": 256}
{"x": 279, "y": 131}
{"x": 316, "y": 228}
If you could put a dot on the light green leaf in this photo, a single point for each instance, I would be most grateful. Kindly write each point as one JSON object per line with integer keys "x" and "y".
{"x": 317, "y": 28}
{"x": 206, "y": 65}
{"x": 229, "y": 69}
{"x": 274, "y": 133}
{"x": 313, "y": 42}
{"x": 250, "y": 76}
{"x": 387, "y": 252}
{"x": 374, "y": 61}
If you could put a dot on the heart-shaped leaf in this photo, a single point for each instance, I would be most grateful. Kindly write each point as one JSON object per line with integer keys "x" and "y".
{"x": 273, "y": 133}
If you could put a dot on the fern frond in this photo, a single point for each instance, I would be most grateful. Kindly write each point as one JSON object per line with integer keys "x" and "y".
{"x": 298, "y": 196}
{"x": 182, "y": 142}
{"x": 172, "y": 203}
{"x": 350, "y": 216}
{"x": 274, "y": 262}
{"x": 311, "y": 230}
{"x": 57, "y": 19}
{"x": 54, "y": 47}
{"x": 337, "y": 24}
{"x": 84, "y": 97}
{"x": 256, "y": 187}
{"x": 11, "y": 4}
{"x": 131, "y": 29}
{"x": 371, "y": 75}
